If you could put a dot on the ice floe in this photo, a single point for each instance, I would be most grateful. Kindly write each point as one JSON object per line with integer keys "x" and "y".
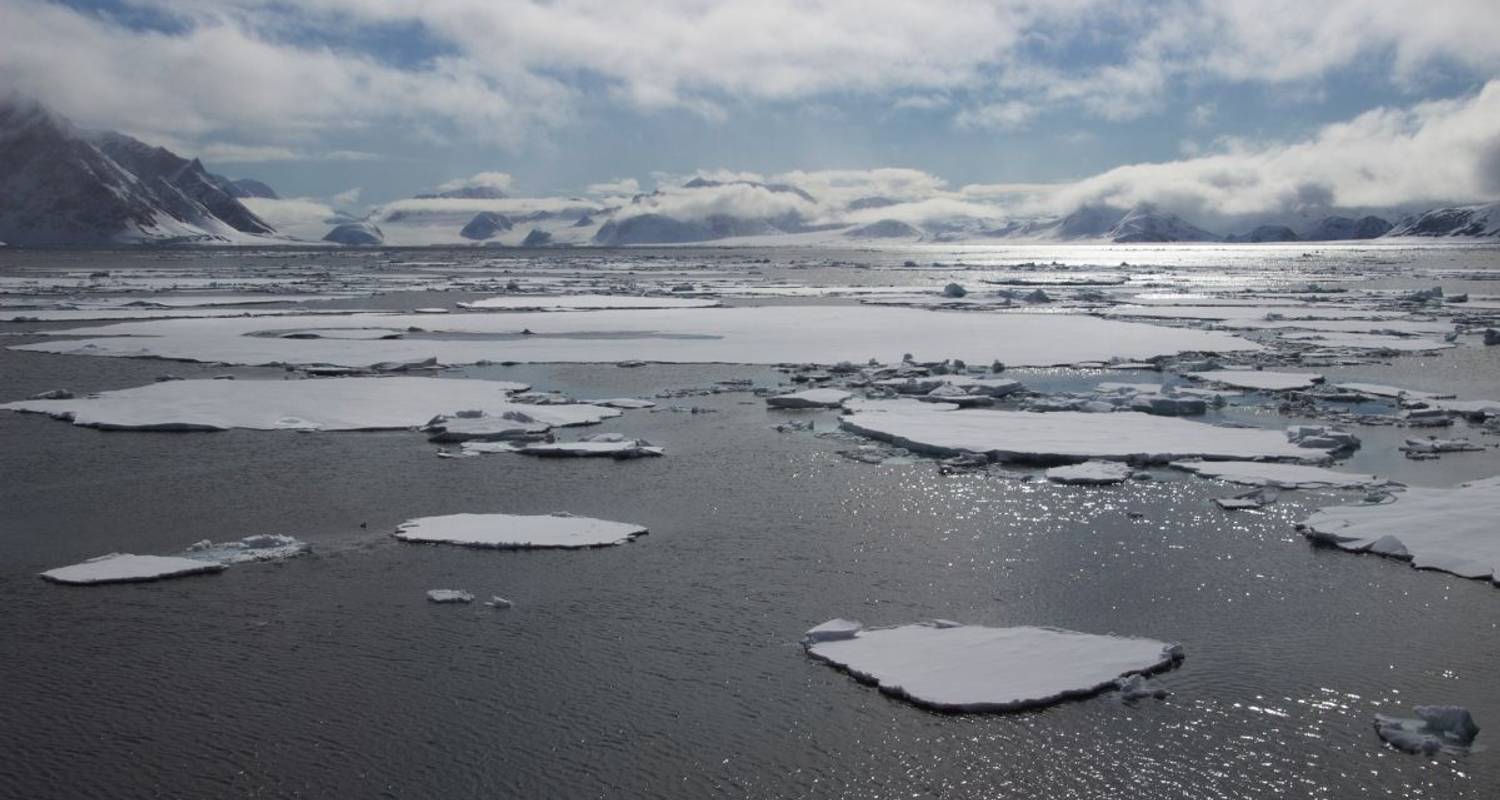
{"x": 512, "y": 531}
{"x": 1072, "y": 436}
{"x": 449, "y": 596}
{"x": 608, "y": 445}
{"x": 124, "y": 567}
{"x": 1260, "y": 380}
{"x": 1452, "y": 530}
{"x": 584, "y": 302}
{"x": 330, "y": 404}
{"x": 809, "y": 398}
{"x": 264, "y": 547}
{"x": 1434, "y": 729}
{"x": 1090, "y": 473}
{"x": 952, "y": 667}
{"x": 1279, "y": 475}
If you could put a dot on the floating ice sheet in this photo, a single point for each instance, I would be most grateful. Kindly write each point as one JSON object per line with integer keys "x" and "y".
{"x": 1281, "y": 476}
{"x": 1452, "y": 530}
{"x": 1072, "y": 436}
{"x": 758, "y": 335}
{"x": 584, "y": 302}
{"x": 124, "y": 568}
{"x": 1090, "y": 473}
{"x": 952, "y": 667}
{"x": 809, "y": 398}
{"x": 328, "y": 404}
{"x": 510, "y": 531}
{"x": 1261, "y": 380}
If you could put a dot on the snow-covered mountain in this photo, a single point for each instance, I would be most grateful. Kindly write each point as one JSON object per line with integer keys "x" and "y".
{"x": 1331, "y": 229}
{"x": 1146, "y": 224}
{"x": 1482, "y": 221}
{"x": 63, "y": 185}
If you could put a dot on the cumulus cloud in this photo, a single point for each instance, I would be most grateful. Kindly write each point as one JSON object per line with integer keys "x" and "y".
{"x": 298, "y": 217}
{"x": 619, "y": 186}
{"x": 1009, "y": 115}
{"x": 348, "y": 197}
{"x": 480, "y": 180}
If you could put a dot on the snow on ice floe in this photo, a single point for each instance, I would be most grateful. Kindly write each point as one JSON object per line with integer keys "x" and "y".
{"x": 330, "y": 404}
{"x": 953, "y": 667}
{"x": 1434, "y": 729}
{"x": 1260, "y": 380}
{"x": 584, "y": 302}
{"x": 264, "y": 547}
{"x": 756, "y": 335}
{"x": 124, "y": 567}
{"x": 1278, "y": 475}
{"x": 809, "y": 398}
{"x": 514, "y": 531}
{"x": 1072, "y": 436}
{"x": 1452, "y": 530}
{"x": 449, "y": 596}
{"x": 627, "y": 403}
{"x": 608, "y": 445}
{"x": 1090, "y": 473}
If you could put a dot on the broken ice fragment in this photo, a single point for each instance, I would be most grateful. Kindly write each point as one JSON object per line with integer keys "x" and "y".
{"x": 124, "y": 567}
{"x": 1090, "y": 473}
{"x": 449, "y": 596}
{"x": 1435, "y": 728}
{"x": 809, "y": 398}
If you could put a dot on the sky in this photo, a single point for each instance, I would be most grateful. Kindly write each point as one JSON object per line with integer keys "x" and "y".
{"x": 1223, "y": 109}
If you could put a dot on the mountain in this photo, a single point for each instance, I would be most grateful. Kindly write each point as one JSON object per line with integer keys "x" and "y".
{"x": 245, "y": 187}
{"x": 705, "y": 183}
{"x": 357, "y": 233}
{"x": 1265, "y": 233}
{"x": 485, "y": 225}
{"x": 1146, "y": 224}
{"x": 884, "y": 229}
{"x": 1470, "y": 221}
{"x": 465, "y": 193}
{"x": 1331, "y": 229}
{"x": 63, "y": 185}
{"x": 662, "y": 229}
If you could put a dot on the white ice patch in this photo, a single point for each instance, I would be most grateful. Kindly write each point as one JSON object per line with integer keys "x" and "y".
{"x": 624, "y": 402}
{"x": 1452, "y": 530}
{"x": 509, "y": 531}
{"x": 583, "y": 302}
{"x": 809, "y": 398}
{"x": 757, "y": 335}
{"x": 1259, "y": 380}
{"x": 1090, "y": 473}
{"x": 124, "y": 567}
{"x": 1280, "y": 476}
{"x": 331, "y": 404}
{"x": 449, "y": 596}
{"x": 608, "y": 445}
{"x": 952, "y": 667}
{"x": 1071, "y": 436}
{"x": 265, "y": 547}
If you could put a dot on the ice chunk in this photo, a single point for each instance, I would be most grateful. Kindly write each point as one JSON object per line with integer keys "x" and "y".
{"x": 1137, "y": 687}
{"x": 124, "y": 567}
{"x": 583, "y": 302}
{"x": 1090, "y": 473}
{"x": 1070, "y": 436}
{"x": 607, "y": 445}
{"x": 973, "y": 668}
{"x": 1281, "y": 476}
{"x": 461, "y": 427}
{"x": 624, "y": 402}
{"x": 832, "y": 631}
{"x": 1452, "y": 530}
{"x": 449, "y": 596}
{"x": 1435, "y": 728}
{"x": 1259, "y": 380}
{"x": 809, "y": 398}
{"x": 322, "y": 404}
{"x": 508, "y": 531}
{"x": 496, "y": 601}
{"x": 264, "y": 547}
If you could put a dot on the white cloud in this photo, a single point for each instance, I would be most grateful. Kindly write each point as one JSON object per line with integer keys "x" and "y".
{"x": 1007, "y": 116}
{"x": 619, "y": 186}
{"x": 486, "y": 180}
{"x": 298, "y": 217}
{"x": 348, "y": 197}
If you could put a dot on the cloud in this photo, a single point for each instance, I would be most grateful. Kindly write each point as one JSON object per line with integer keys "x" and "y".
{"x": 486, "y": 180}
{"x": 230, "y": 153}
{"x": 299, "y": 217}
{"x": 619, "y": 186}
{"x": 1007, "y": 116}
{"x": 348, "y": 197}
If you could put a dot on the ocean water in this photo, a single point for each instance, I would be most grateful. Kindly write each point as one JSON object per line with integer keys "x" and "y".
{"x": 670, "y": 667}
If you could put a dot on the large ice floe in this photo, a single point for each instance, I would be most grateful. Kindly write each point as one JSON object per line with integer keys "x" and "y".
{"x": 952, "y": 667}
{"x": 1434, "y": 729}
{"x": 1090, "y": 473}
{"x": 756, "y": 335}
{"x": 809, "y": 398}
{"x": 1278, "y": 475}
{"x": 332, "y": 404}
{"x": 517, "y": 531}
{"x": 1072, "y": 436}
{"x": 125, "y": 568}
{"x": 1261, "y": 380}
{"x": 584, "y": 302}
{"x": 1452, "y": 530}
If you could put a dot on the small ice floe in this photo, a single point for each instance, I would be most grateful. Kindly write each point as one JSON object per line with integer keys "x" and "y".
{"x": 498, "y": 602}
{"x": 1090, "y": 473}
{"x": 584, "y": 302}
{"x": 809, "y": 398}
{"x": 1070, "y": 436}
{"x": 1259, "y": 380}
{"x": 264, "y": 547}
{"x": 53, "y": 394}
{"x": 624, "y": 402}
{"x": 948, "y": 666}
{"x": 466, "y": 426}
{"x": 1382, "y": 390}
{"x": 1138, "y": 687}
{"x": 124, "y": 567}
{"x": 1432, "y": 447}
{"x": 1280, "y": 476}
{"x": 449, "y": 596}
{"x": 1435, "y": 729}
{"x": 1451, "y": 530}
{"x": 1322, "y": 437}
{"x": 514, "y": 531}
{"x": 1246, "y": 501}
{"x": 608, "y": 445}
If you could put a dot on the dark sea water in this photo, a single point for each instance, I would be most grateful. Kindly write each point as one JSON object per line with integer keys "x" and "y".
{"x": 670, "y": 667}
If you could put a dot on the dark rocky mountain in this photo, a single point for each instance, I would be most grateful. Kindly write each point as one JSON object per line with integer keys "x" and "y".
{"x": 465, "y": 193}
{"x": 60, "y": 185}
{"x": 1265, "y": 233}
{"x": 1330, "y": 229}
{"x": 486, "y": 225}
{"x": 662, "y": 229}
{"x": 1146, "y": 224}
{"x": 862, "y": 203}
{"x": 1469, "y": 221}
{"x": 356, "y": 233}
{"x": 537, "y": 238}
{"x": 884, "y": 229}
{"x": 245, "y": 187}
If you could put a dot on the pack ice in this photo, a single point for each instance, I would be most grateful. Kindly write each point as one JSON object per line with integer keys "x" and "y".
{"x": 1451, "y": 530}
{"x": 125, "y": 567}
{"x": 1280, "y": 476}
{"x": 1071, "y": 436}
{"x": 953, "y": 667}
{"x": 331, "y": 404}
{"x": 513, "y": 531}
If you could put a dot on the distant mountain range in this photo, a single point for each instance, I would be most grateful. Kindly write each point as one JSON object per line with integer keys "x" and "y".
{"x": 62, "y": 185}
